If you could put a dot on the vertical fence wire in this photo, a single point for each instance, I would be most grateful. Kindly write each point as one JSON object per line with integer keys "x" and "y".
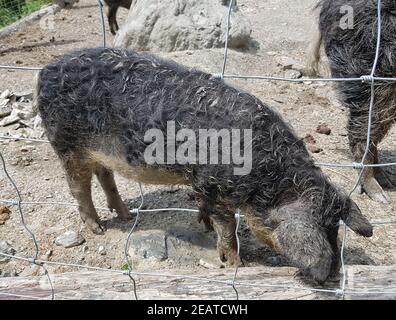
{"x": 227, "y": 35}
{"x": 102, "y": 21}
{"x": 127, "y": 243}
{"x": 27, "y": 229}
{"x": 368, "y": 141}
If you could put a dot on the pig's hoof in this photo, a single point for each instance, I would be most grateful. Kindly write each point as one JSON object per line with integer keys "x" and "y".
{"x": 96, "y": 227}
{"x": 231, "y": 257}
{"x": 121, "y": 209}
{"x": 336, "y": 277}
{"x": 124, "y": 215}
{"x": 375, "y": 192}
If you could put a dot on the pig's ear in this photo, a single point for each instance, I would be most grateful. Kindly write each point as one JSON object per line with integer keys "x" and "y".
{"x": 358, "y": 222}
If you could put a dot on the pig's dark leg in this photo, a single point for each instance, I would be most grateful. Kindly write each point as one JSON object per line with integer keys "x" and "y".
{"x": 115, "y": 19}
{"x": 79, "y": 175}
{"x": 224, "y": 224}
{"x": 379, "y": 172}
{"x": 357, "y": 143}
{"x": 204, "y": 214}
{"x": 332, "y": 236}
{"x": 114, "y": 201}
{"x": 112, "y": 18}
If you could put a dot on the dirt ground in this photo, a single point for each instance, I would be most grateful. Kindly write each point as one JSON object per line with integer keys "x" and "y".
{"x": 280, "y": 28}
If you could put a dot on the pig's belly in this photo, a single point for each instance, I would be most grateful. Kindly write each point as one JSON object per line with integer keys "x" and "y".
{"x": 143, "y": 174}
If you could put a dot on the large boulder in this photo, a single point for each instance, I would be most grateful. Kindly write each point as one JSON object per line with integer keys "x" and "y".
{"x": 65, "y": 4}
{"x": 172, "y": 25}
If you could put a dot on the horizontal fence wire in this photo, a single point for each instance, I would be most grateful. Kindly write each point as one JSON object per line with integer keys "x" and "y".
{"x": 341, "y": 292}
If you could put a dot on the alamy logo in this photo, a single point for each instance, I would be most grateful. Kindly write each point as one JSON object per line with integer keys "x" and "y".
{"x": 187, "y": 146}
{"x": 347, "y": 21}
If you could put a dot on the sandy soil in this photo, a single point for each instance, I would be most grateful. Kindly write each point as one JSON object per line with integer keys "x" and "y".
{"x": 280, "y": 28}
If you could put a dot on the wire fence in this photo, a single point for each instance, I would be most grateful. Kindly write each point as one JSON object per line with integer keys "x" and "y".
{"x": 233, "y": 282}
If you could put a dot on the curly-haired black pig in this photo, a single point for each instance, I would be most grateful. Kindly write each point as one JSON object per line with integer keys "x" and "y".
{"x": 348, "y": 31}
{"x": 97, "y": 106}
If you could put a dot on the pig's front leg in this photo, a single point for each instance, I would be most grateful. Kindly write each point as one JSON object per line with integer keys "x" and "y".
{"x": 204, "y": 214}
{"x": 224, "y": 224}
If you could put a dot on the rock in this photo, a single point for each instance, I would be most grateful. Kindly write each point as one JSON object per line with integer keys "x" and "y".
{"x": 309, "y": 139}
{"x": 6, "y": 248}
{"x": 8, "y": 274}
{"x": 293, "y": 74}
{"x": 27, "y": 148}
{"x": 11, "y": 119}
{"x": 210, "y": 265}
{"x": 102, "y": 250}
{"x": 5, "y": 94}
{"x": 314, "y": 149}
{"x": 24, "y": 96}
{"x": 4, "y": 214}
{"x": 21, "y": 110}
{"x": 65, "y": 4}
{"x": 5, "y": 103}
{"x": 323, "y": 129}
{"x": 69, "y": 239}
{"x": 174, "y": 25}
{"x": 287, "y": 63}
{"x": 149, "y": 245}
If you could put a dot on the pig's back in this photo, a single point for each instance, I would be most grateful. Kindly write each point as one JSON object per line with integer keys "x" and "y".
{"x": 118, "y": 95}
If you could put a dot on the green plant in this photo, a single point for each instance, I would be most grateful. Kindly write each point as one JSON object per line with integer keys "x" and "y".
{"x": 13, "y": 10}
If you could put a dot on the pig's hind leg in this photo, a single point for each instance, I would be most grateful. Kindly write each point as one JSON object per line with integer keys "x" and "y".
{"x": 114, "y": 201}
{"x": 79, "y": 173}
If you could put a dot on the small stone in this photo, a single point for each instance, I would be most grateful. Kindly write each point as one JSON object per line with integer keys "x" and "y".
{"x": 309, "y": 139}
{"x": 323, "y": 129}
{"x": 102, "y": 250}
{"x": 8, "y": 274}
{"x": 6, "y": 248}
{"x": 4, "y": 214}
{"x": 272, "y": 53}
{"x": 27, "y": 148}
{"x": 210, "y": 265}
{"x": 293, "y": 74}
{"x": 85, "y": 249}
{"x": 5, "y": 94}
{"x": 11, "y": 119}
{"x": 314, "y": 149}
{"x": 69, "y": 239}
